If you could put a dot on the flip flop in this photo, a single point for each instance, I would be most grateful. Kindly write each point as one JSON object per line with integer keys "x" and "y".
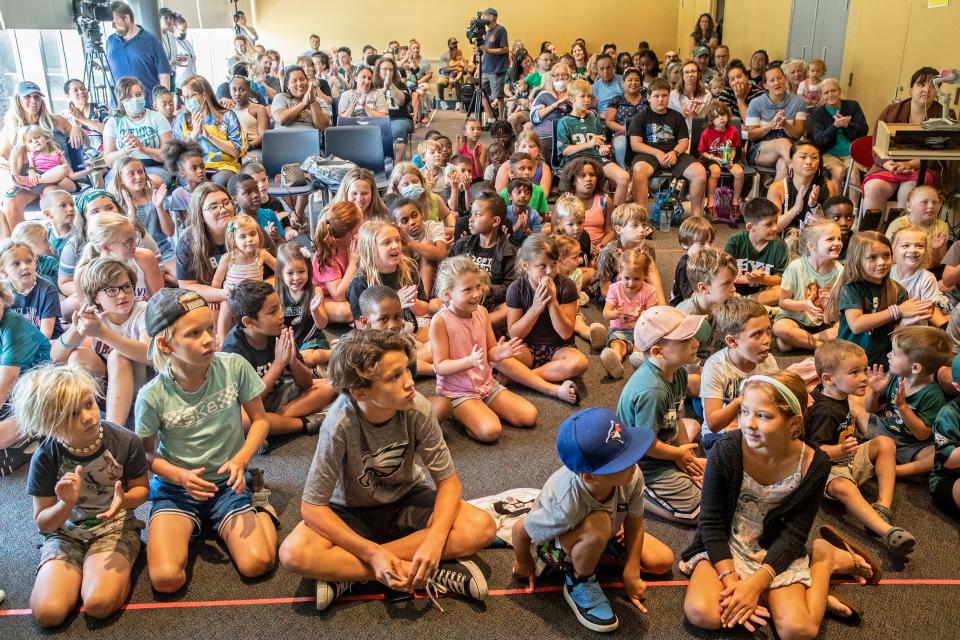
{"x": 856, "y": 613}
{"x": 837, "y": 539}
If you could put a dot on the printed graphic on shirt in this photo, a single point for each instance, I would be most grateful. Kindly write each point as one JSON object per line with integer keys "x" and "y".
{"x": 745, "y": 265}
{"x": 657, "y": 133}
{"x": 212, "y": 405}
{"x": 98, "y": 478}
{"x": 382, "y": 463}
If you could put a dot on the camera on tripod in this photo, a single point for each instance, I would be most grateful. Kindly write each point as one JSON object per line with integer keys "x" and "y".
{"x": 477, "y": 29}
{"x": 87, "y": 15}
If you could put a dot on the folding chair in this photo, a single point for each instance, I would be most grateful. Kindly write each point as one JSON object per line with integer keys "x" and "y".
{"x": 286, "y": 145}
{"x": 386, "y": 135}
{"x": 360, "y": 144}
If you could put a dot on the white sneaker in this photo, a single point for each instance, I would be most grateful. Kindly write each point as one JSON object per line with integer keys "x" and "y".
{"x": 327, "y": 592}
{"x": 636, "y": 359}
{"x": 611, "y": 362}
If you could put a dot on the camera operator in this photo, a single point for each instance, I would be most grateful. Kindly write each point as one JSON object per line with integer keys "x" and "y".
{"x": 496, "y": 60}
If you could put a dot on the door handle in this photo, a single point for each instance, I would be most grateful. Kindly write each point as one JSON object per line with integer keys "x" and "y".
{"x": 824, "y": 56}
{"x": 803, "y": 53}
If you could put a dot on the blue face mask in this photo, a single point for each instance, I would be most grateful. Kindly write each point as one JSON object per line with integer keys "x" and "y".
{"x": 412, "y": 191}
{"x": 192, "y": 105}
{"x": 134, "y": 106}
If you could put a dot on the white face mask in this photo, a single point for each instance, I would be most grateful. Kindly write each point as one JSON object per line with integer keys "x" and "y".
{"x": 560, "y": 85}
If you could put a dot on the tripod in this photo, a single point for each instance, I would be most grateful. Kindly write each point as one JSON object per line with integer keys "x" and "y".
{"x": 96, "y": 74}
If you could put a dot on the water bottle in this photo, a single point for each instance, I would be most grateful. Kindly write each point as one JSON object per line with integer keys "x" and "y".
{"x": 666, "y": 212}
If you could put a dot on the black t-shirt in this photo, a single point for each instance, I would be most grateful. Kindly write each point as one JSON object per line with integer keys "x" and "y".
{"x": 483, "y": 257}
{"x": 185, "y": 270}
{"x": 828, "y": 421}
{"x": 298, "y": 316}
{"x": 359, "y": 285}
{"x": 658, "y": 130}
{"x": 395, "y": 111}
{"x": 586, "y": 248}
{"x": 261, "y": 359}
{"x": 520, "y": 295}
{"x": 223, "y": 92}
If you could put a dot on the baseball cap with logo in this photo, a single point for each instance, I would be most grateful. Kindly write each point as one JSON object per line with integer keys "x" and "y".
{"x": 25, "y": 88}
{"x": 657, "y": 323}
{"x": 167, "y": 306}
{"x": 594, "y": 441}
{"x": 451, "y": 43}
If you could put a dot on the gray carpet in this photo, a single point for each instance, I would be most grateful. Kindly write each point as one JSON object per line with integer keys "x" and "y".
{"x": 522, "y": 458}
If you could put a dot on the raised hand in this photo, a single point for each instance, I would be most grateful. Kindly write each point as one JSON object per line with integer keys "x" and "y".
{"x": 116, "y": 505}
{"x": 476, "y": 356}
{"x": 876, "y": 378}
{"x": 159, "y": 195}
{"x": 87, "y": 321}
{"x": 67, "y": 488}
{"x": 507, "y": 349}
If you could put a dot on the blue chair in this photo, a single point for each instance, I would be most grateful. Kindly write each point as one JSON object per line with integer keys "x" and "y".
{"x": 360, "y": 144}
{"x": 386, "y": 135}
{"x": 286, "y": 145}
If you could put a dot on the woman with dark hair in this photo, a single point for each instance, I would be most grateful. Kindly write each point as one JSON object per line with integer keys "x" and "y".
{"x": 622, "y": 108}
{"x": 518, "y": 90}
{"x": 300, "y": 104}
{"x": 86, "y": 120}
{"x": 690, "y": 97}
{"x": 578, "y": 50}
{"x": 548, "y": 47}
{"x": 758, "y": 63}
{"x": 135, "y": 131}
{"x": 804, "y": 190}
{"x": 887, "y": 176}
{"x": 705, "y": 34}
{"x": 387, "y": 80}
{"x": 203, "y": 241}
{"x": 215, "y": 129}
{"x": 833, "y": 126}
{"x": 523, "y": 65}
{"x": 739, "y": 92}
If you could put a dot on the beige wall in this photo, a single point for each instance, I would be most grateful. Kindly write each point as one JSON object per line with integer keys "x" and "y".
{"x": 687, "y": 18}
{"x": 376, "y": 22}
{"x": 749, "y": 25}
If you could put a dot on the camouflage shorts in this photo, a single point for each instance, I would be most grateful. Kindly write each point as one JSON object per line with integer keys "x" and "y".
{"x": 126, "y": 542}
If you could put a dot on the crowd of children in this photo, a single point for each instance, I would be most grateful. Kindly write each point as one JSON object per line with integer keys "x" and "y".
{"x": 131, "y": 375}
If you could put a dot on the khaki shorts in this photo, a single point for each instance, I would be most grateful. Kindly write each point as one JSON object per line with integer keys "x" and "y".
{"x": 489, "y": 398}
{"x": 858, "y": 471}
{"x": 126, "y": 542}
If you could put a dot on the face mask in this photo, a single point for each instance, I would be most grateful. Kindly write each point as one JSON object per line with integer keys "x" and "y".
{"x": 182, "y": 36}
{"x": 412, "y": 191}
{"x": 192, "y": 105}
{"x": 560, "y": 85}
{"x": 134, "y": 106}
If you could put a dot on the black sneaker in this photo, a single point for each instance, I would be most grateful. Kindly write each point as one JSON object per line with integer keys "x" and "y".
{"x": 327, "y": 592}
{"x": 16, "y": 455}
{"x": 589, "y": 603}
{"x": 461, "y": 577}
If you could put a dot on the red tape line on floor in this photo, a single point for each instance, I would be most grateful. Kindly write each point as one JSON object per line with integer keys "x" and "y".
{"x": 379, "y": 596}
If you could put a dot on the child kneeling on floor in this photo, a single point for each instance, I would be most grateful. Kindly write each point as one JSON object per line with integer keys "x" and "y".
{"x": 368, "y": 513}
{"x": 578, "y": 516}
{"x": 190, "y": 422}
{"x": 86, "y": 479}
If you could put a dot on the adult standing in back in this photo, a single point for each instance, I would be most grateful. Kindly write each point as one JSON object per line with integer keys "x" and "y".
{"x": 133, "y": 51}
{"x": 496, "y": 60}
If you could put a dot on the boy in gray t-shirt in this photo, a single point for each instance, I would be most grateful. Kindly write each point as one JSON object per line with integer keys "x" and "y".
{"x": 579, "y": 514}
{"x": 365, "y": 489}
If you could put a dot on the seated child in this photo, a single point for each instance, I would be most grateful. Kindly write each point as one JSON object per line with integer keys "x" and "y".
{"x": 541, "y": 311}
{"x": 568, "y": 217}
{"x": 432, "y": 154}
{"x": 923, "y": 210}
{"x": 86, "y": 479}
{"x": 424, "y": 241}
{"x": 408, "y": 181}
{"x": 245, "y": 193}
{"x": 336, "y": 259}
{"x": 839, "y": 209}
{"x": 283, "y": 211}
{"x": 760, "y": 253}
{"x": 578, "y": 516}
{"x": 292, "y": 399}
{"x": 695, "y": 233}
{"x": 626, "y": 299}
{"x": 36, "y": 299}
{"x": 185, "y": 160}
{"x": 568, "y": 266}
{"x": 831, "y": 425}
{"x": 112, "y": 235}
{"x": 431, "y": 134}
{"x": 164, "y": 103}
{"x": 909, "y": 396}
{"x": 528, "y": 142}
{"x": 35, "y": 236}
{"x": 805, "y": 289}
{"x": 468, "y": 144}
{"x": 490, "y": 248}
{"x": 718, "y": 148}
{"x": 521, "y": 165}
{"x": 351, "y": 510}
{"x": 113, "y": 322}
{"x": 498, "y": 155}
{"x": 199, "y": 458}
{"x": 945, "y": 477}
{"x": 60, "y": 211}
{"x": 244, "y": 260}
{"x": 910, "y": 259}
{"x": 304, "y": 311}
{"x": 37, "y": 161}
{"x": 631, "y": 226}
{"x": 744, "y": 327}
{"x": 465, "y": 350}
{"x": 653, "y": 400}
{"x": 459, "y": 194}
{"x": 523, "y": 218}
{"x": 583, "y": 134}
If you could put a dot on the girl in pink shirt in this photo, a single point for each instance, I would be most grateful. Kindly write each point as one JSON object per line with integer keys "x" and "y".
{"x": 336, "y": 259}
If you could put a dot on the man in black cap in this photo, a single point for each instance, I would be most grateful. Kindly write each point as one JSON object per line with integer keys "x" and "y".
{"x": 496, "y": 60}
{"x": 451, "y": 69}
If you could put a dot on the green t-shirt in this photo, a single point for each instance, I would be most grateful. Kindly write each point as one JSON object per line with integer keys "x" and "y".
{"x": 772, "y": 258}
{"x": 203, "y": 428}
{"x": 865, "y": 296}
{"x": 804, "y": 283}
{"x": 650, "y": 401}
{"x": 538, "y": 200}
{"x": 946, "y": 438}
{"x": 572, "y": 130}
{"x": 926, "y": 403}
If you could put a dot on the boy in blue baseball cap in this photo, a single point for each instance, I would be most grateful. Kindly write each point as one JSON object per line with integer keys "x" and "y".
{"x": 579, "y": 514}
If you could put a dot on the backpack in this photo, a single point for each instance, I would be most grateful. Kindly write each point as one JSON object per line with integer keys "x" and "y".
{"x": 723, "y": 206}
{"x": 668, "y": 200}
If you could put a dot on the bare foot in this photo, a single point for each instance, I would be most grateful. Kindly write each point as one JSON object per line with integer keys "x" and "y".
{"x": 842, "y": 561}
{"x": 837, "y": 608}
{"x": 567, "y": 392}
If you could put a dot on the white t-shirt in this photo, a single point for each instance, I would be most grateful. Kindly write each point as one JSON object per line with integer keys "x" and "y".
{"x": 432, "y": 232}
{"x": 148, "y": 128}
{"x": 721, "y": 379}
{"x": 133, "y": 328}
{"x": 922, "y": 285}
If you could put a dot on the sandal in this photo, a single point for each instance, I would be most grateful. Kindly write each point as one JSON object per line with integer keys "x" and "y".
{"x": 899, "y": 542}
{"x": 883, "y": 511}
{"x": 837, "y": 539}
{"x": 856, "y": 613}
{"x": 564, "y": 392}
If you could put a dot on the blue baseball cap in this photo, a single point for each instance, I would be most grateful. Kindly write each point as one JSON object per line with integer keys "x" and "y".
{"x": 25, "y": 88}
{"x": 594, "y": 441}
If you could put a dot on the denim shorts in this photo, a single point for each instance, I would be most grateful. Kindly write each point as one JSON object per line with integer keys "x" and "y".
{"x": 168, "y": 497}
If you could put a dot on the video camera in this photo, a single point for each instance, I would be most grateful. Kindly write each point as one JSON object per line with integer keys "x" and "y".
{"x": 477, "y": 29}
{"x": 87, "y": 15}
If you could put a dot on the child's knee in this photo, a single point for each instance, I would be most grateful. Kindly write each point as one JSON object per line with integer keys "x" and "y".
{"x": 486, "y": 429}
{"x": 101, "y": 604}
{"x": 796, "y": 626}
{"x": 480, "y": 527}
{"x": 167, "y": 578}
{"x": 781, "y": 328}
{"x": 578, "y": 363}
{"x": 883, "y": 446}
{"x": 841, "y": 488}
{"x": 714, "y": 171}
{"x": 701, "y": 612}
{"x": 597, "y": 525}
{"x": 642, "y": 171}
{"x": 526, "y": 415}
{"x": 661, "y": 563}
{"x": 256, "y": 560}
{"x": 50, "y": 614}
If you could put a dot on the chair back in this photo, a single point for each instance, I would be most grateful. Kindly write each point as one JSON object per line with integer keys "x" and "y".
{"x": 383, "y": 125}
{"x": 359, "y": 144}
{"x": 861, "y": 150}
{"x": 285, "y": 145}
{"x": 697, "y": 126}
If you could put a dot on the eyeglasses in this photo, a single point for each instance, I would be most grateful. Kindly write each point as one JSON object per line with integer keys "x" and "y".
{"x": 113, "y": 292}
{"x": 223, "y": 205}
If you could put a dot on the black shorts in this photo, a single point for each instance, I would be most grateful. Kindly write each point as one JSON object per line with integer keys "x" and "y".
{"x": 392, "y": 521}
{"x": 683, "y": 162}
{"x": 707, "y": 163}
{"x": 943, "y": 496}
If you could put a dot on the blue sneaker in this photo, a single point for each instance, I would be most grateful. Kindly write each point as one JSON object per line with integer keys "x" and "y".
{"x": 589, "y": 603}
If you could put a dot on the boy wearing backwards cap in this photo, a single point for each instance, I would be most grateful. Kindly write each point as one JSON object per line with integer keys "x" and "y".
{"x": 578, "y": 515}
{"x": 652, "y": 400}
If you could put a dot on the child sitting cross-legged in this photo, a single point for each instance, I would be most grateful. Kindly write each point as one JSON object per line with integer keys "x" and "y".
{"x": 113, "y": 321}
{"x": 760, "y": 253}
{"x": 831, "y": 424}
{"x": 86, "y": 479}
{"x": 579, "y": 514}
{"x": 631, "y": 226}
{"x": 304, "y": 310}
{"x": 522, "y": 165}
{"x": 292, "y": 399}
{"x": 368, "y": 512}
{"x": 653, "y": 400}
{"x": 626, "y": 299}
{"x": 465, "y": 350}
{"x": 909, "y": 396}
{"x": 189, "y": 418}
{"x": 945, "y": 477}
{"x": 695, "y": 233}
{"x": 744, "y": 327}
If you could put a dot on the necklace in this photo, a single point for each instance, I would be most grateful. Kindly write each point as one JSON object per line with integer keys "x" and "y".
{"x": 87, "y": 450}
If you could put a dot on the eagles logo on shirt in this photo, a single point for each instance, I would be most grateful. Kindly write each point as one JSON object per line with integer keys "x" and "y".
{"x": 383, "y": 463}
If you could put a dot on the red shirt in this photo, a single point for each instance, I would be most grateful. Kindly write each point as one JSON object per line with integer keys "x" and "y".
{"x": 711, "y": 139}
